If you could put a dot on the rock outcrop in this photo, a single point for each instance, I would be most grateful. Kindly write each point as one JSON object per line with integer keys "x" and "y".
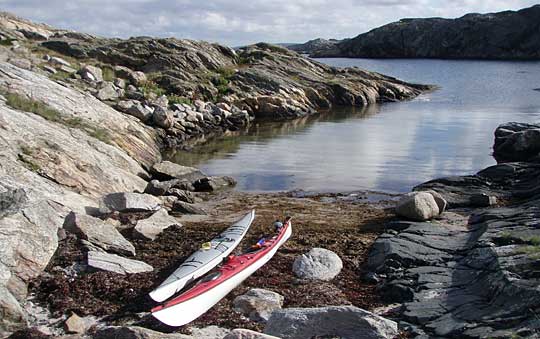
{"x": 332, "y": 321}
{"x": 503, "y": 35}
{"x": 473, "y": 274}
{"x": 516, "y": 141}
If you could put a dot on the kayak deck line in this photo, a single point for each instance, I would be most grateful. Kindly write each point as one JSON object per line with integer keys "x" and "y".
{"x": 203, "y": 260}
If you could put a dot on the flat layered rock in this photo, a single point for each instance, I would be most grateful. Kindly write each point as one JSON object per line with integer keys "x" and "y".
{"x": 151, "y": 227}
{"x": 333, "y": 321}
{"x": 167, "y": 170}
{"x": 129, "y": 202}
{"x": 117, "y": 264}
{"x": 99, "y": 233}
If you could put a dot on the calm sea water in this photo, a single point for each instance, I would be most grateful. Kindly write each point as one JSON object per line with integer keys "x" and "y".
{"x": 389, "y": 147}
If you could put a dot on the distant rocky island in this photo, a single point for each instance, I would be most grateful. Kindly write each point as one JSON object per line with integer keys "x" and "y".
{"x": 502, "y": 35}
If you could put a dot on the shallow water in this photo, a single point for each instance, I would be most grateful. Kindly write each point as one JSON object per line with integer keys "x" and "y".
{"x": 389, "y": 147}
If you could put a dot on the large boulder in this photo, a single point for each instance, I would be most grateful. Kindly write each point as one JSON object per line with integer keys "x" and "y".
{"x": 107, "y": 92}
{"x": 115, "y": 263}
{"x": 419, "y": 206}
{"x": 257, "y": 304}
{"x": 91, "y": 73}
{"x": 318, "y": 264}
{"x": 99, "y": 233}
{"x": 167, "y": 170}
{"x": 517, "y": 142}
{"x": 334, "y": 321}
{"x": 151, "y": 227}
{"x": 129, "y": 202}
{"x": 162, "y": 117}
{"x": 241, "y": 333}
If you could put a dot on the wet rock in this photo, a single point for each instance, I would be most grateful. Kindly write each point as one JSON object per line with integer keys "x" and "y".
{"x": 162, "y": 117}
{"x": 115, "y": 263}
{"x": 483, "y": 200}
{"x": 209, "y": 184}
{"x": 517, "y": 142}
{"x": 99, "y": 233}
{"x": 332, "y": 321}
{"x": 419, "y": 206}
{"x": 91, "y": 73}
{"x": 317, "y": 264}
{"x": 257, "y": 304}
{"x": 240, "y": 333}
{"x": 151, "y": 227}
{"x": 167, "y": 170}
{"x": 129, "y": 202}
{"x": 185, "y": 208}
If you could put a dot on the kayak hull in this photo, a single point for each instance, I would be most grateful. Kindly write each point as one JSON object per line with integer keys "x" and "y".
{"x": 181, "y": 313}
{"x": 204, "y": 260}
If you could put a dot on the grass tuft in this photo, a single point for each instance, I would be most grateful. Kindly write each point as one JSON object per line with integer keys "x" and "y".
{"x": 22, "y": 103}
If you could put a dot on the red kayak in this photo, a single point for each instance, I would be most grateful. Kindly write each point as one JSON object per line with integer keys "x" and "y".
{"x": 213, "y": 287}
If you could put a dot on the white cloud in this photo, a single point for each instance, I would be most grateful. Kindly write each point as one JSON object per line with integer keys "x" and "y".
{"x": 236, "y": 22}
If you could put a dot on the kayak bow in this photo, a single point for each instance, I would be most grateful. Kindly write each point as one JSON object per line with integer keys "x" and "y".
{"x": 209, "y": 256}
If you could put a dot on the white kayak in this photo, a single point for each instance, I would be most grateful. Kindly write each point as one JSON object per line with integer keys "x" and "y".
{"x": 216, "y": 285}
{"x": 209, "y": 256}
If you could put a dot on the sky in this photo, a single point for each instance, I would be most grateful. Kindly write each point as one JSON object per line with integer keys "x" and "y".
{"x": 241, "y": 22}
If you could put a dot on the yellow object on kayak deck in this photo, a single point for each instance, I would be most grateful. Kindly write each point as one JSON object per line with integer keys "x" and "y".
{"x": 206, "y": 245}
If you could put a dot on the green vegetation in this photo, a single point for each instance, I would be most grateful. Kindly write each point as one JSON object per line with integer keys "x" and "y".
{"x": 532, "y": 251}
{"x": 7, "y": 42}
{"x": 108, "y": 73}
{"x": 29, "y": 163}
{"x": 149, "y": 87}
{"x": 535, "y": 240}
{"x": 59, "y": 75}
{"x": 22, "y": 103}
{"x": 177, "y": 99}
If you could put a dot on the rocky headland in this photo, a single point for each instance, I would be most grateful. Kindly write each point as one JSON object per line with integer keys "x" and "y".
{"x": 504, "y": 35}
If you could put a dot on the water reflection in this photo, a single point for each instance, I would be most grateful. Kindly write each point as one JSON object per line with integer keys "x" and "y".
{"x": 389, "y": 147}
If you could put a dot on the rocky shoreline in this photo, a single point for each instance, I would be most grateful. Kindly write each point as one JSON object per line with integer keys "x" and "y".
{"x": 91, "y": 218}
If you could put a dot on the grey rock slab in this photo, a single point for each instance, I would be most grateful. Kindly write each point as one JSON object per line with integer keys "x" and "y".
{"x": 338, "y": 321}
{"x": 129, "y": 202}
{"x": 241, "y": 333}
{"x": 99, "y": 233}
{"x": 135, "y": 332}
{"x": 151, "y": 227}
{"x": 115, "y": 263}
{"x": 257, "y": 304}
{"x": 317, "y": 264}
{"x": 167, "y": 170}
